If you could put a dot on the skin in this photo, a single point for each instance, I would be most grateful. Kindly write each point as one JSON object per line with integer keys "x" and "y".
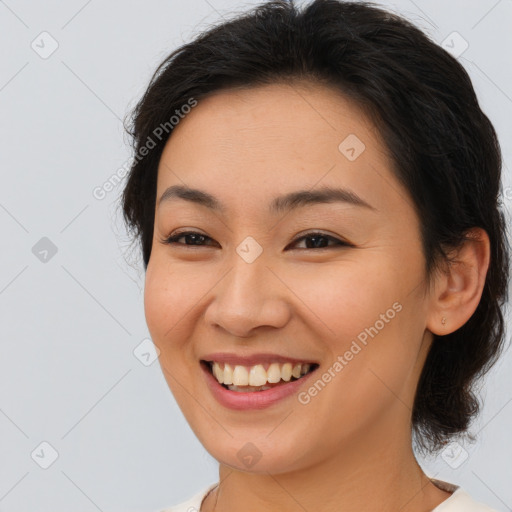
{"x": 349, "y": 448}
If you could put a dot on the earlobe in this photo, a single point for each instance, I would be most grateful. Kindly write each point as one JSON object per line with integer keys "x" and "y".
{"x": 458, "y": 289}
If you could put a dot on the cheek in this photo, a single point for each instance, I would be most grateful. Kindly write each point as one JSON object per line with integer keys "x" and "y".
{"x": 360, "y": 313}
{"x": 341, "y": 299}
{"x": 168, "y": 315}
{"x": 173, "y": 306}
{"x": 156, "y": 302}
{"x": 165, "y": 303}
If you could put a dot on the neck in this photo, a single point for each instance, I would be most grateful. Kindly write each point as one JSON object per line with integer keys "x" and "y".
{"x": 378, "y": 475}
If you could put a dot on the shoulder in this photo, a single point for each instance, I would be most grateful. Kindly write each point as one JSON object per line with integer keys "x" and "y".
{"x": 460, "y": 501}
{"x": 193, "y": 504}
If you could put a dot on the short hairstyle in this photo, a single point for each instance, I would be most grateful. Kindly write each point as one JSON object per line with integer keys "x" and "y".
{"x": 444, "y": 149}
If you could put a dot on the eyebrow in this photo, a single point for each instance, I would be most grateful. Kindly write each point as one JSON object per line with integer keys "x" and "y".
{"x": 280, "y": 204}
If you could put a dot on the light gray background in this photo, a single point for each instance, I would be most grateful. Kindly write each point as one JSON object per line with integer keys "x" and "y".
{"x": 70, "y": 324}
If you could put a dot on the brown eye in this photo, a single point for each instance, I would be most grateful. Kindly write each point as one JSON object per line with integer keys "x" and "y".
{"x": 313, "y": 240}
{"x": 194, "y": 237}
{"x": 320, "y": 241}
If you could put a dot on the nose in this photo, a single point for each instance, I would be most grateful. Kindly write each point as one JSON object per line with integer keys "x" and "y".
{"x": 249, "y": 296}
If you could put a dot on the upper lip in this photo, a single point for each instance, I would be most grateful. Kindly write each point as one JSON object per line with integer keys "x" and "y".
{"x": 261, "y": 358}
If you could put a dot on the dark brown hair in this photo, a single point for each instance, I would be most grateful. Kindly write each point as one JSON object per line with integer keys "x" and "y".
{"x": 445, "y": 150}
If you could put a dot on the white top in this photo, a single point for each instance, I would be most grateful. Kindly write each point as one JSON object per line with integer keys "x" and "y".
{"x": 459, "y": 501}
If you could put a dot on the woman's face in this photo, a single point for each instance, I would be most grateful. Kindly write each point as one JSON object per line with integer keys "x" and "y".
{"x": 350, "y": 297}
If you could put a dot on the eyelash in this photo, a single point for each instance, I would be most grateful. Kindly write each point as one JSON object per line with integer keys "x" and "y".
{"x": 172, "y": 240}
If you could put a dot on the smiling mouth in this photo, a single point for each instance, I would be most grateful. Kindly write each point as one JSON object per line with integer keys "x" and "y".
{"x": 259, "y": 377}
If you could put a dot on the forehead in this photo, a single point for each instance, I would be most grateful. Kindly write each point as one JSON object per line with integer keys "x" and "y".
{"x": 295, "y": 116}
{"x": 248, "y": 145}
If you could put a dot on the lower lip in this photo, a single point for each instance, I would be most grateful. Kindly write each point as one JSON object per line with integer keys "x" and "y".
{"x": 256, "y": 399}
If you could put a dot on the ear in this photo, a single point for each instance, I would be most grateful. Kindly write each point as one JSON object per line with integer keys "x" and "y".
{"x": 457, "y": 290}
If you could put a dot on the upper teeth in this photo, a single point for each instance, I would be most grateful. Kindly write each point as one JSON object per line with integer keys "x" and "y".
{"x": 257, "y": 375}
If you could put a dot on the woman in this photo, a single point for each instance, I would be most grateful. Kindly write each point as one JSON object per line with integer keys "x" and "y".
{"x": 316, "y": 194}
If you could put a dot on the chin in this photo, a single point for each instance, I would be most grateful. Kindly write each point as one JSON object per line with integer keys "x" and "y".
{"x": 258, "y": 453}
